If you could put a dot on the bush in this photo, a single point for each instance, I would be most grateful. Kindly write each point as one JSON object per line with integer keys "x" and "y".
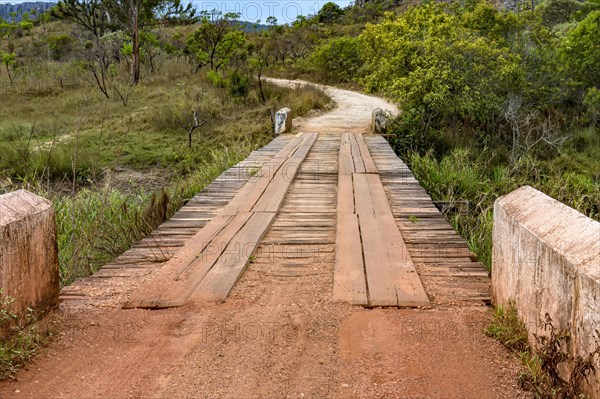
{"x": 592, "y": 105}
{"x": 581, "y": 51}
{"x": 59, "y": 45}
{"x": 427, "y": 60}
{"x": 238, "y": 84}
{"x": 339, "y": 59}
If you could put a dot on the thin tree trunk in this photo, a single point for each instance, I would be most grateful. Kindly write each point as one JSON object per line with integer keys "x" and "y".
{"x": 135, "y": 64}
{"x": 260, "y": 88}
{"x": 9, "y": 75}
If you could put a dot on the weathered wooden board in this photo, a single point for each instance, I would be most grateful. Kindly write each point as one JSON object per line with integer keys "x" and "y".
{"x": 349, "y": 283}
{"x": 221, "y": 278}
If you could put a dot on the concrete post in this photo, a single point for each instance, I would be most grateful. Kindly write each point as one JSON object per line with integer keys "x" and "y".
{"x": 28, "y": 252}
{"x": 283, "y": 121}
{"x": 379, "y": 120}
{"x": 546, "y": 258}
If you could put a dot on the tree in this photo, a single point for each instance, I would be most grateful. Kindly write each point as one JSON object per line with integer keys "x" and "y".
{"x": 100, "y": 16}
{"x": 258, "y": 62}
{"x": 581, "y": 51}
{"x": 93, "y": 17}
{"x": 329, "y": 12}
{"x": 339, "y": 58}
{"x": 193, "y": 125}
{"x": 272, "y": 21}
{"x": 135, "y": 15}
{"x": 428, "y": 61}
{"x": 215, "y": 41}
{"x": 8, "y": 59}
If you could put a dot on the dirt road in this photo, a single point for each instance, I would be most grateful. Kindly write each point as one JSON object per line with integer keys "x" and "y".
{"x": 351, "y": 114}
{"x": 278, "y": 334}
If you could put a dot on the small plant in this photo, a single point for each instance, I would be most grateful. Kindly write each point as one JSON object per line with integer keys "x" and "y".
{"x": 18, "y": 344}
{"x": 508, "y": 328}
{"x": 413, "y": 219}
{"x": 541, "y": 366}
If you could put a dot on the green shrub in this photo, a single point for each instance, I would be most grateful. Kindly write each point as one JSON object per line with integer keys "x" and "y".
{"x": 427, "y": 60}
{"x": 238, "y": 84}
{"x": 338, "y": 59}
{"x": 592, "y": 104}
{"x": 59, "y": 45}
{"x": 581, "y": 51}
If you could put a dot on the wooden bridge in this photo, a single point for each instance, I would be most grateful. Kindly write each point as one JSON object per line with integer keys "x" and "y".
{"x": 343, "y": 201}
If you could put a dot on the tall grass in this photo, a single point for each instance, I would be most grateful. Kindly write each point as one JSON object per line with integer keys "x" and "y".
{"x": 96, "y": 224}
{"x": 469, "y": 174}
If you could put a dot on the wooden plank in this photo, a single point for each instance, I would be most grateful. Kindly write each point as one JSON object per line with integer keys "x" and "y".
{"x": 383, "y": 238}
{"x": 166, "y": 291}
{"x": 349, "y": 283}
{"x": 378, "y": 265}
{"x": 346, "y": 163}
{"x": 368, "y": 162}
{"x": 345, "y": 195}
{"x": 381, "y": 205}
{"x": 273, "y": 196}
{"x": 252, "y": 191}
{"x": 359, "y": 166}
{"x": 219, "y": 281}
{"x": 362, "y": 196}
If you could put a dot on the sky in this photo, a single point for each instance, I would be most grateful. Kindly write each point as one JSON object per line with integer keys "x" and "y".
{"x": 284, "y": 10}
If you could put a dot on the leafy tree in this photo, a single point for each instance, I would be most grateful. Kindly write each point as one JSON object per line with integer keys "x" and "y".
{"x": 329, "y": 12}
{"x": 272, "y": 21}
{"x": 339, "y": 58}
{"x": 215, "y": 42}
{"x": 8, "y": 60}
{"x": 58, "y": 45}
{"x": 428, "y": 61}
{"x": 554, "y": 12}
{"x": 133, "y": 16}
{"x": 581, "y": 51}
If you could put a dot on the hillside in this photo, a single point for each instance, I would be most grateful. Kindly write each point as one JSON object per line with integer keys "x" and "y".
{"x": 14, "y": 11}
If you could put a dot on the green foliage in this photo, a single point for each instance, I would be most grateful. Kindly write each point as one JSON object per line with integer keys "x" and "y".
{"x": 20, "y": 339}
{"x": 26, "y": 25}
{"x": 581, "y": 51}
{"x": 238, "y": 84}
{"x": 508, "y": 328}
{"x": 59, "y": 44}
{"x": 592, "y": 104}
{"x": 329, "y": 12}
{"x": 428, "y": 60}
{"x": 339, "y": 59}
{"x": 214, "y": 43}
{"x": 555, "y": 12}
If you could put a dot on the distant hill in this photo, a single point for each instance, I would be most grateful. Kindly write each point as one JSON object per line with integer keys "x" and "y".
{"x": 19, "y": 8}
{"x": 251, "y": 26}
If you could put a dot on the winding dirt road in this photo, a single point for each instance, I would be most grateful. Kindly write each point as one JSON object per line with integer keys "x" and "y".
{"x": 278, "y": 335}
{"x": 351, "y": 114}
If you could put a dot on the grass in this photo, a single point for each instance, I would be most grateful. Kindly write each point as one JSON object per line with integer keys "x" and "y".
{"x": 147, "y": 133}
{"x": 20, "y": 341}
{"x": 479, "y": 177}
{"x": 508, "y": 328}
{"x": 542, "y": 364}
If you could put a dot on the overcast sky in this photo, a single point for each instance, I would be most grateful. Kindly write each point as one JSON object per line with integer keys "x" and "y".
{"x": 284, "y": 11}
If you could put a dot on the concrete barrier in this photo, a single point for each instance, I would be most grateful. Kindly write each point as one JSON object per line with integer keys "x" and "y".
{"x": 546, "y": 258}
{"x": 28, "y": 252}
{"x": 283, "y": 121}
{"x": 379, "y": 120}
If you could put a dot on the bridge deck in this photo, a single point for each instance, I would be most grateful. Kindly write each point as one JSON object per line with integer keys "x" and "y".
{"x": 338, "y": 208}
